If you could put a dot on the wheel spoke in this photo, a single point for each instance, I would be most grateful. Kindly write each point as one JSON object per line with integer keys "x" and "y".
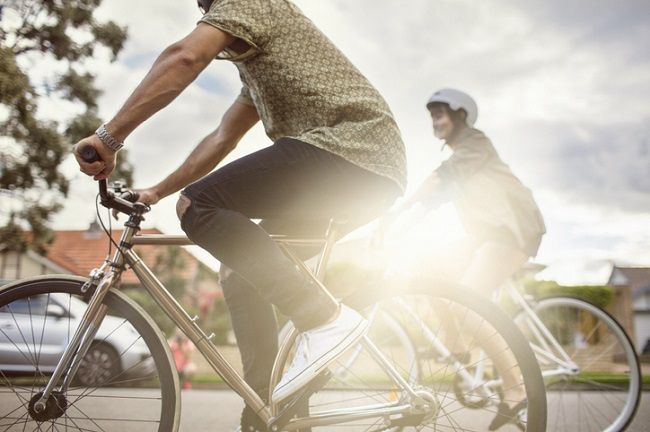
{"x": 601, "y": 395}
{"x": 136, "y": 391}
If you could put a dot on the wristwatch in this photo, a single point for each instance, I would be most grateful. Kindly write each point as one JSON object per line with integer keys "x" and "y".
{"x": 108, "y": 139}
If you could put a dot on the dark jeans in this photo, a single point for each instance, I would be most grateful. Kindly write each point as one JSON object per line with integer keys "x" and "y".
{"x": 295, "y": 188}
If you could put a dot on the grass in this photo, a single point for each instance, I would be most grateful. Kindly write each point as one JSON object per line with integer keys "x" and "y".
{"x": 213, "y": 380}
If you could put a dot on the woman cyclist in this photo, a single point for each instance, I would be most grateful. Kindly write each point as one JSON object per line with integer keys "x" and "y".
{"x": 503, "y": 223}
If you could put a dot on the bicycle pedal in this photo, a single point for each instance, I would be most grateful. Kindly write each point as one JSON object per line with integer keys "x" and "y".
{"x": 298, "y": 402}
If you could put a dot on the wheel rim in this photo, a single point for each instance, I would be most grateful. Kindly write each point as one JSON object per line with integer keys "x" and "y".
{"x": 603, "y": 393}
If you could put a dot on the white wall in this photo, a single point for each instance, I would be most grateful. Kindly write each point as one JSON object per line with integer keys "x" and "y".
{"x": 641, "y": 329}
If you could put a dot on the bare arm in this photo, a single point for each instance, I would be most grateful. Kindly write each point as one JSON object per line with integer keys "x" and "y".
{"x": 175, "y": 68}
{"x": 428, "y": 188}
{"x": 211, "y": 150}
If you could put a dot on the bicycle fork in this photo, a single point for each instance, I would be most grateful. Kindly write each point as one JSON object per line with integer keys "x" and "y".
{"x": 79, "y": 344}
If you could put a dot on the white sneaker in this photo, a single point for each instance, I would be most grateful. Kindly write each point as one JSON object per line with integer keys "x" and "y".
{"x": 319, "y": 347}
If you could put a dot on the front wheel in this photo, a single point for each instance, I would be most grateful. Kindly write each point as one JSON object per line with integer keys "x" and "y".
{"x": 591, "y": 370}
{"x": 125, "y": 382}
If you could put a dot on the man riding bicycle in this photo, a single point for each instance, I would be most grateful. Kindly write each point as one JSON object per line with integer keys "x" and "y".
{"x": 337, "y": 153}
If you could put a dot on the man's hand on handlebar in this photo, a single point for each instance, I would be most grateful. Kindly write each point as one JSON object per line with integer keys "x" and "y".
{"x": 101, "y": 169}
{"x": 148, "y": 196}
{"x": 124, "y": 201}
{"x": 144, "y": 196}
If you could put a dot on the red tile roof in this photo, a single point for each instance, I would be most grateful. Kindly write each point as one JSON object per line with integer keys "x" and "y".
{"x": 81, "y": 251}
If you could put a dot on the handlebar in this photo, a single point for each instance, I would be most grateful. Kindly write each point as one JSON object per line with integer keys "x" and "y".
{"x": 125, "y": 202}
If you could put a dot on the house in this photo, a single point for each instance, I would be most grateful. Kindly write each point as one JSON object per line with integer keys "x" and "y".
{"x": 77, "y": 252}
{"x": 636, "y": 281}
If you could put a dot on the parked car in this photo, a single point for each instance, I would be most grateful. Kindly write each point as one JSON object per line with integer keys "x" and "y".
{"x": 34, "y": 333}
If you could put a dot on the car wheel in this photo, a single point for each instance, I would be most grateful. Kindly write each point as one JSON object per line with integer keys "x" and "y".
{"x": 100, "y": 366}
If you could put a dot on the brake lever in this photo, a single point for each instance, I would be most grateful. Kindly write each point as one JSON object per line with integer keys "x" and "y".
{"x": 130, "y": 197}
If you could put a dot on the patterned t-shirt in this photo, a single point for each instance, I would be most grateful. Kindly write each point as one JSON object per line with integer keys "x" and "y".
{"x": 303, "y": 87}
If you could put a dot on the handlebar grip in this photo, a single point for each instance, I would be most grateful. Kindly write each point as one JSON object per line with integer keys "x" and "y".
{"x": 89, "y": 154}
{"x": 130, "y": 196}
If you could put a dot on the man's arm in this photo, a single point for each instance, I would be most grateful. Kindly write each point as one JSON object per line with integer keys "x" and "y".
{"x": 175, "y": 68}
{"x": 211, "y": 150}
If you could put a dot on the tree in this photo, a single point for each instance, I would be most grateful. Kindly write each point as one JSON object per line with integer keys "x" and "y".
{"x": 59, "y": 36}
{"x": 168, "y": 266}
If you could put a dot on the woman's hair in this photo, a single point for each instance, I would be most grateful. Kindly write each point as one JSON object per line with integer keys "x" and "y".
{"x": 458, "y": 117}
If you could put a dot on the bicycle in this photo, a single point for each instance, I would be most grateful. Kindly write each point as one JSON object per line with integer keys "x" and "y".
{"x": 591, "y": 370}
{"x": 589, "y": 364}
{"x": 54, "y": 399}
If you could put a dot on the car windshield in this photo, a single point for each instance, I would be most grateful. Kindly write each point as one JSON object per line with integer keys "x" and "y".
{"x": 36, "y": 305}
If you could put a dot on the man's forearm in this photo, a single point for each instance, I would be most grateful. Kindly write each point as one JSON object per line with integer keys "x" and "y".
{"x": 200, "y": 162}
{"x": 172, "y": 72}
{"x": 237, "y": 120}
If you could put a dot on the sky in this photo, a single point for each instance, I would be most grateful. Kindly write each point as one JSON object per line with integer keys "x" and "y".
{"x": 562, "y": 89}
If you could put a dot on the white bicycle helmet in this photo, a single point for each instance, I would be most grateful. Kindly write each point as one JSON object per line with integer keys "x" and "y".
{"x": 456, "y": 100}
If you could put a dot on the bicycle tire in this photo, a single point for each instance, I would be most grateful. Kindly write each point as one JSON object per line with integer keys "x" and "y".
{"x": 451, "y": 414}
{"x": 145, "y": 395}
{"x": 609, "y": 399}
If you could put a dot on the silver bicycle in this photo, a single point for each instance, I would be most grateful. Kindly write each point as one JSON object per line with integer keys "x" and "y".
{"x": 590, "y": 368}
{"x": 144, "y": 395}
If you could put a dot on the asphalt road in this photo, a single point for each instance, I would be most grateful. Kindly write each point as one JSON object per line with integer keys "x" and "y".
{"x": 218, "y": 411}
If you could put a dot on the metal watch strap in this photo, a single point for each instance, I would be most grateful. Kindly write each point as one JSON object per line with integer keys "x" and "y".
{"x": 108, "y": 139}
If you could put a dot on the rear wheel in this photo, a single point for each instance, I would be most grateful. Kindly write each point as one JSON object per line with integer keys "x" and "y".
{"x": 365, "y": 383}
{"x": 126, "y": 381}
{"x": 597, "y": 388}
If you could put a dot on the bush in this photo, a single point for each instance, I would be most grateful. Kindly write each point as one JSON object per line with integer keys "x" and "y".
{"x": 600, "y": 295}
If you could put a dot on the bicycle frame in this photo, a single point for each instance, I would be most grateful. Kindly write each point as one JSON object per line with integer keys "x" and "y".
{"x": 108, "y": 275}
{"x": 545, "y": 344}
{"x": 544, "y": 347}
{"x": 476, "y": 378}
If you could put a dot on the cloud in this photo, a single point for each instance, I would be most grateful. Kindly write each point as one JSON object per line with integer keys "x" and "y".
{"x": 602, "y": 24}
{"x": 600, "y": 165}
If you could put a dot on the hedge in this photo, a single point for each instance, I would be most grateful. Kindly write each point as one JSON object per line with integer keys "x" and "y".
{"x": 600, "y": 295}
